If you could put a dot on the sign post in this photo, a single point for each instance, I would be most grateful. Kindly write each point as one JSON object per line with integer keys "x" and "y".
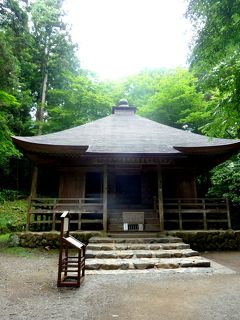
{"x": 71, "y": 267}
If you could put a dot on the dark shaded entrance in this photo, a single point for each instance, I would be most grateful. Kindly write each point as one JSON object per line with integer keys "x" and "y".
{"x": 93, "y": 190}
{"x": 128, "y": 189}
{"x": 94, "y": 185}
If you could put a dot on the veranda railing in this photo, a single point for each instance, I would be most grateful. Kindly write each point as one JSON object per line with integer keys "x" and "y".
{"x": 196, "y": 213}
{"x": 87, "y": 213}
{"x": 44, "y": 213}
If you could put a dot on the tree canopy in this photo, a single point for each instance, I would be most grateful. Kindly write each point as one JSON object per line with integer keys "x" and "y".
{"x": 215, "y": 60}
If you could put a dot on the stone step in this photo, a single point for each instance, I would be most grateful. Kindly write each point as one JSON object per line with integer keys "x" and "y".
{"x": 135, "y": 240}
{"x": 136, "y": 246}
{"x": 135, "y": 253}
{"x": 146, "y": 263}
{"x": 130, "y": 254}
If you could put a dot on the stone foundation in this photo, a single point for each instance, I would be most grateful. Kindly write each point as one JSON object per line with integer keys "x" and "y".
{"x": 46, "y": 239}
{"x": 198, "y": 240}
{"x": 210, "y": 240}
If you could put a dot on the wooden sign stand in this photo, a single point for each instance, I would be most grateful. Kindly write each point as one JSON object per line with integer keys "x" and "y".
{"x": 71, "y": 267}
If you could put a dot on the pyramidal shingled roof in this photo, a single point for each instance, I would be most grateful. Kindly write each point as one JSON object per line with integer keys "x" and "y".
{"x": 126, "y": 132}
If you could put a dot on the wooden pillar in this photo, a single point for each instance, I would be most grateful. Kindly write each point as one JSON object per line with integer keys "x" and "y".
{"x": 204, "y": 214}
{"x": 105, "y": 194}
{"x": 228, "y": 215}
{"x": 160, "y": 200}
{"x": 34, "y": 182}
{"x": 33, "y": 194}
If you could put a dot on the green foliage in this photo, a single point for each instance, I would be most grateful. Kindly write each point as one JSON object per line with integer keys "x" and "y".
{"x": 7, "y": 101}
{"x": 82, "y": 100}
{"x": 8, "y": 109}
{"x": 220, "y": 116}
{"x": 226, "y": 180}
{"x": 15, "y": 99}
{"x": 139, "y": 88}
{"x": 3, "y": 241}
{"x": 224, "y": 80}
{"x": 215, "y": 59}
{"x": 9, "y": 69}
{"x": 166, "y": 96}
{"x": 8, "y": 195}
{"x": 215, "y": 25}
{"x": 12, "y": 215}
{"x": 175, "y": 96}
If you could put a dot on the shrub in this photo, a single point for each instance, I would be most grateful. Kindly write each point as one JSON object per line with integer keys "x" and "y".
{"x": 8, "y": 195}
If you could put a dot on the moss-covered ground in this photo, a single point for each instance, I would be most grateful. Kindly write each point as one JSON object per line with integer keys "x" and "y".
{"x": 12, "y": 215}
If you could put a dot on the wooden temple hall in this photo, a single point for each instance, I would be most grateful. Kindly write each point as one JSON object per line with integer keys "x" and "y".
{"x": 124, "y": 173}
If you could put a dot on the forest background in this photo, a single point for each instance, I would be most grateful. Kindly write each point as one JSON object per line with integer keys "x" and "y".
{"x": 43, "y": 88}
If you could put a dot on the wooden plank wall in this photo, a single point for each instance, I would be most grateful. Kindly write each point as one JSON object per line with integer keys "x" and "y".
{"x": 72, "y": 184}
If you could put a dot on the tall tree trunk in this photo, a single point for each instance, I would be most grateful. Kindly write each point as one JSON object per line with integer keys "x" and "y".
{"x": 40, "y": 119}
{"x": 41, "y": 107}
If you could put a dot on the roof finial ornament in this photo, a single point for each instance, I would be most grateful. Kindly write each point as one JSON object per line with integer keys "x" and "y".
{"x": 123, "y": 108}
{"x": 123, "y": 103}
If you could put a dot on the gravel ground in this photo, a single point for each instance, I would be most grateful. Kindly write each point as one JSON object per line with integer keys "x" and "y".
{"x": 28, "y": 291}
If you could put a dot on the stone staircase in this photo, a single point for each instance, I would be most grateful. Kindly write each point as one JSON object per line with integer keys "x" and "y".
{"x": 141, "y": 253}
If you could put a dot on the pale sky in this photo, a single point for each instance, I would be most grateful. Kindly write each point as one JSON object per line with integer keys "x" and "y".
{"x": 117, "y": 38}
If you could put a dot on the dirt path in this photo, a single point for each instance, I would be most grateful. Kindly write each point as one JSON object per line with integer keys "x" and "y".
{"x": 228, "y": 259}
{"x": 28, "y": 291}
